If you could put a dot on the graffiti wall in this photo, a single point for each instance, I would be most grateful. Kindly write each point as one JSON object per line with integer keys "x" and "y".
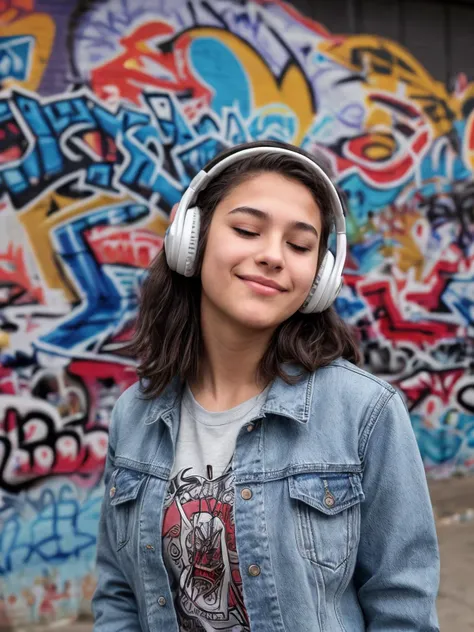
{"x": 107, "y": 110}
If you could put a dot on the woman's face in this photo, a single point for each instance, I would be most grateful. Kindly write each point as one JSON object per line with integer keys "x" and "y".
{"x": 262, "y": 251}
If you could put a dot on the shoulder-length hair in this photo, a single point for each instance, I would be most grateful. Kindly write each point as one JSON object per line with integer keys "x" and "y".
{"x": 168, "y": 339}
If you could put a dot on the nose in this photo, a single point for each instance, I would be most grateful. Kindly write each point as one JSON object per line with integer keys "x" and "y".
{"x": 271, "y": 255}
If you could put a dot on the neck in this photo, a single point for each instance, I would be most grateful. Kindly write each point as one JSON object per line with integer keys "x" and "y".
{"x": 228, "y": 372}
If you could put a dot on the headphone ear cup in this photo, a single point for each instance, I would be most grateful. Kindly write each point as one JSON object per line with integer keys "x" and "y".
{"x": 171, "y": 246}
{"x": 316, "y": 300}
{"x": 187, "y": 251}
{"x": 333, "y": 288}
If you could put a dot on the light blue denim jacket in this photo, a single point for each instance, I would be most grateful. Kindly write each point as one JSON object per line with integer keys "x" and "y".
{"x": 339, "y": 521}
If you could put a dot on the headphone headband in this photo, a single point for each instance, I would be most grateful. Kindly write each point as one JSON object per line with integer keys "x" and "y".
{"x": 239, "y": 152}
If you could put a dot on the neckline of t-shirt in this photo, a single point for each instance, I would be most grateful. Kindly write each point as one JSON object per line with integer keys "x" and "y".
{"x": 224, "y": 417}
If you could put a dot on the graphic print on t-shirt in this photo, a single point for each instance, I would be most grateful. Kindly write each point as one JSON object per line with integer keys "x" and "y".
{"x": 200, "y": 552}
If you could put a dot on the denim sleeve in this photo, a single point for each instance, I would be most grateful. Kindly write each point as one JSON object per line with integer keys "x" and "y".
{"x": 397, "y": 571}
{"x": 113, "y": 605}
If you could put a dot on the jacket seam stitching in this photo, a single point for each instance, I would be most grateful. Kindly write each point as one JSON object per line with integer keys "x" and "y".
{"x": 274, "y": 475}
{"x": 279, "y": 617}
{"x": 142, "y": 466}
{"x": 379, "y": 407}
{"x": 309, "y": 397}
{"x": 354, "y": 369}
{"x": 318, "y": 506}
{"x": 337, "y": 596}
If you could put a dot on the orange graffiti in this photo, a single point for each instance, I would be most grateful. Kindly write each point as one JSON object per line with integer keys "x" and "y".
{"x": 145, "y": 65}
{"x": 13, "y": 9}
{"x": 156, "y": 57}
{"x": 15, "y": 276}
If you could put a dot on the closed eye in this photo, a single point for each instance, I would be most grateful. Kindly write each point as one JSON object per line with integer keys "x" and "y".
{"x": 250, "y": 234}
{"x": 299, "y": 248}
{"x": 245, "y": 233}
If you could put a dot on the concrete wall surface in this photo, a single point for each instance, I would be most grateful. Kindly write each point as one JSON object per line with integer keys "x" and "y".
{"x": 107, "y": 109}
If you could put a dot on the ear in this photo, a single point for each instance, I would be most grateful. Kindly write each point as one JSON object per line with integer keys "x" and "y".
{"x": 173, "y": 212}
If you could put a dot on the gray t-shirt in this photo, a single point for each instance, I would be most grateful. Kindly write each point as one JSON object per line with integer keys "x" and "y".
{"x": 199, "y": 546}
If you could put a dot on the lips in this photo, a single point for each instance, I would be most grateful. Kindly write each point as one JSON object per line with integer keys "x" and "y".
{"x": 263, "y": 281}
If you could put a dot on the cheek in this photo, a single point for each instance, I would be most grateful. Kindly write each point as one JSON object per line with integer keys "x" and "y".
{"x": 303, "y": 275}
{"x": 217, "y": 264}
{"x": 216, "y": 258}
{"x": 223, "y": 255}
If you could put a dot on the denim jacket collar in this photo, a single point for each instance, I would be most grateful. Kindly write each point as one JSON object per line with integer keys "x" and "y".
{"x": 286, "y": 400}
{"x": 167, "y": 404}
{"x": 290, "y": 400}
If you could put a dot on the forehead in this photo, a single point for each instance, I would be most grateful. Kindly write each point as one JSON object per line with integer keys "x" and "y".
{"x": 278, "y": 196}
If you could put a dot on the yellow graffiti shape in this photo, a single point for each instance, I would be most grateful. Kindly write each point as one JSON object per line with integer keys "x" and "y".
{"x": 407, "y": 252}
{"x": 291, "y": 89}
{"x": 384, "y": 65}
{"x": 42, "y": 28}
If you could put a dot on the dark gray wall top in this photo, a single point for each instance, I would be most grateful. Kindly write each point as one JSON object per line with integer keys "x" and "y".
{"x": 439, "y": 33}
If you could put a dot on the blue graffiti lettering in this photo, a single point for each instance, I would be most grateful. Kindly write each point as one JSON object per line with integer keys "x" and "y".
{"x": 51, "y": 526}
{"x": 150, "y": 152}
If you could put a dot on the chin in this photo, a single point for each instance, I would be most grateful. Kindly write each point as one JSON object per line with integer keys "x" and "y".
{"x": 259, "y": 321}
{"x": 258, "y": 325}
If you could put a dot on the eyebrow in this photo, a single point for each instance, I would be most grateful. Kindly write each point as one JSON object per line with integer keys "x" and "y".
{"x": 259, "y": 214}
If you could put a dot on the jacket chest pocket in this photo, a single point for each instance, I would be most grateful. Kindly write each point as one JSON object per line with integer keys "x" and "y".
{"x": 327, "y": 512}
{"x": 124, "y": 488}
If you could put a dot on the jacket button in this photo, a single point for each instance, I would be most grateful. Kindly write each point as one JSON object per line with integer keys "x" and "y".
{"x": 250, "y": 427}
{"x": 161, "y": 601}
{"x": 329, "y": 500}
{"x": 246, "y": 493}
{"x": 254, "y": 570}
{"x": 112, "y": 492}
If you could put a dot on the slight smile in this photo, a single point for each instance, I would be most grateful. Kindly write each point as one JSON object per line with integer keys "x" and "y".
{"x": 262, "y": 285}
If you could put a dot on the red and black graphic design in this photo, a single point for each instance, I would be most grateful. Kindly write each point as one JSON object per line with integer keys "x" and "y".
{"x": 201, "y": 556}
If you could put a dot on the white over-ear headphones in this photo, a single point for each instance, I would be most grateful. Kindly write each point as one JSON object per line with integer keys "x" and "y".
{"x": 181, "y": 240}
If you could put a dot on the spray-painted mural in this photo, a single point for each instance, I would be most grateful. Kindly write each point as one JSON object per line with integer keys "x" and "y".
{"x": 107, "y": 110}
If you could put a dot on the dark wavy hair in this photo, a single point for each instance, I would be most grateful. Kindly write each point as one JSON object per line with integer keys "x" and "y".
{"x": 168, "y": 339}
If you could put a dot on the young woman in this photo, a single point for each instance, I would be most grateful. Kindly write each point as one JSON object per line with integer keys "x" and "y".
{"x": 257, "y": 480}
